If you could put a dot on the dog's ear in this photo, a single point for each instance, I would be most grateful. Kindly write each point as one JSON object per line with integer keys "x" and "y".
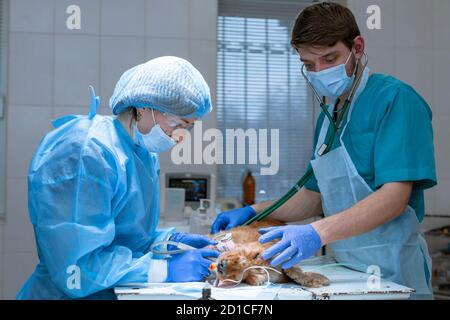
{"x": 252, "y": 251}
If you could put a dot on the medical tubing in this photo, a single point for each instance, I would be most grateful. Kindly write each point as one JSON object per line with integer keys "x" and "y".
{"x": 237, "y": 282}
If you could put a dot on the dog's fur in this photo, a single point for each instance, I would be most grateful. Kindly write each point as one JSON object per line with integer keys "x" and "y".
{"x": 247, "y": 252}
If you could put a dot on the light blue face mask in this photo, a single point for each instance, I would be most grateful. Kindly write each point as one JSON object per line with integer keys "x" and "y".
{"x": 156, "y": 140}
{"x": 332, "y": 82}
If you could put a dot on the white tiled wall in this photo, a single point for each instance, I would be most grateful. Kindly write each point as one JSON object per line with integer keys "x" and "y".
{"x": 50, "y": 68}
{"x": 172, "y": 20}
{"x": 441, "y": 78}
{"x": 32, "y": 15}
{"x": 413, "y": 23}
{"x": 26, "y": 126}
{"x": 30, "y": 69}
{"x": 119, "y": 20}
{"x": 77, "y": 65}
{"x": 414, "y": 45}
{"x": 118, "y": 53}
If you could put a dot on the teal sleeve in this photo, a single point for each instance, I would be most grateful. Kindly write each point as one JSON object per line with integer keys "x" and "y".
{"x": 404, "y": 149}
{"x": 311, "y": 184}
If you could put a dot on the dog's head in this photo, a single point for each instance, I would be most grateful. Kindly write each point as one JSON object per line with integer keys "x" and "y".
{"x": 232, "y": 265}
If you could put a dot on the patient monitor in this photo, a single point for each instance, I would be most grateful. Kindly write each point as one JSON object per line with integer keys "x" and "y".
{"x": 196, "y": 186}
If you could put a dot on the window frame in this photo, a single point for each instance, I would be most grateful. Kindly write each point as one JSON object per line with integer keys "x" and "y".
{"x": 4, "y": 47}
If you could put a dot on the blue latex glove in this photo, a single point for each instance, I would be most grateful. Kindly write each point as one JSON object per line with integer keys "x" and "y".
{"x": 194, "y": 240}
{"x": 233, "y": 218}
{"x": 297, "y": 243}
{"x": 191, "y": 265}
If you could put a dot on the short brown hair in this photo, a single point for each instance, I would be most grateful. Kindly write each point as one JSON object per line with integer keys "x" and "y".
{"x": 324, "y": 24}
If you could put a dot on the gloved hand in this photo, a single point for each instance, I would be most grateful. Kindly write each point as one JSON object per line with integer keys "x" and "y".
{"x": 297, "y": 243}
{"x": 233, "y": 218}
{"x": 194, "y": 240}
{"x": 190, "y": 265}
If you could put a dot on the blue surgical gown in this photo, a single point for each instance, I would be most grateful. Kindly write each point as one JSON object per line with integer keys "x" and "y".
{"x": 390, "y": 138}
{"x": 93, "y": 198}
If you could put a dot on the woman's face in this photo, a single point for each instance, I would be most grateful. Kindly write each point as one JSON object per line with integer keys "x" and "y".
{"x": 169, "y": 124}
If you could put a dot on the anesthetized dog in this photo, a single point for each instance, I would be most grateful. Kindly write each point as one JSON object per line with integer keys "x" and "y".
{"x": 235, "y": 263}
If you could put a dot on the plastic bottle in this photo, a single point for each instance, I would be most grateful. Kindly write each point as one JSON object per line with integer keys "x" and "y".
{"x": 206, "y": 293}
{"x": 198, "y": 221}
{"x": 248, "y": 197}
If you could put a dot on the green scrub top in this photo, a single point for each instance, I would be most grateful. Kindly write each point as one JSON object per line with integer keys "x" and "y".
{"x": 389, "y": 138}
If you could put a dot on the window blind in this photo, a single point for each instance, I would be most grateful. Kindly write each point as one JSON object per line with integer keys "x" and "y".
{"x": 259, "y": 86}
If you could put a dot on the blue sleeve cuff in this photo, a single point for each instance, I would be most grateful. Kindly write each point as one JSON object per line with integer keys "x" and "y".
{"x": 157, "y": 271}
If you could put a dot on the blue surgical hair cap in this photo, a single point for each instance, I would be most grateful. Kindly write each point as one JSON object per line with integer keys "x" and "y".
{"x": 168, "y": 84}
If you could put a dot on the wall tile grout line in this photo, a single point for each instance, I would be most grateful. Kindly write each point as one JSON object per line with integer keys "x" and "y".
{"x": 54, "y": 61}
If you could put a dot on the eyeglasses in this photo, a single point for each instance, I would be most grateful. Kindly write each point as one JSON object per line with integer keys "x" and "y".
{"x": 175, "y": 123}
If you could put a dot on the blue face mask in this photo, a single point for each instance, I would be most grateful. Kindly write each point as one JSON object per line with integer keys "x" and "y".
{"x": 332, "y": 82}
{"x": 156, "y": 140}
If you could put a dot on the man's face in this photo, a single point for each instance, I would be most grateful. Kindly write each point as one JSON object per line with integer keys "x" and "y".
{"x": 321, "y": 58}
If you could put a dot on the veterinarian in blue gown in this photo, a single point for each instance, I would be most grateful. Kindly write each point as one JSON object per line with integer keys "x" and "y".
{"x": 93, "y": 188}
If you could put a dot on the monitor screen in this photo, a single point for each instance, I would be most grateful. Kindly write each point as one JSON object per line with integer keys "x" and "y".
{"x": 196, "y": 189}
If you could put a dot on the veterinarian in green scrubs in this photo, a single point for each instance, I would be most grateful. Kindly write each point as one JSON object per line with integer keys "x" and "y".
{"x": 370, "y": 185}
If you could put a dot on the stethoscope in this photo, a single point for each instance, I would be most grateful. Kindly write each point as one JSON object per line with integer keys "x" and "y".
{"x": 325, "y": 147}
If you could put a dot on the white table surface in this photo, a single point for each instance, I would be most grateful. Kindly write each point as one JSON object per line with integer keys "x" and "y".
{"x": 345, "y": 284}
